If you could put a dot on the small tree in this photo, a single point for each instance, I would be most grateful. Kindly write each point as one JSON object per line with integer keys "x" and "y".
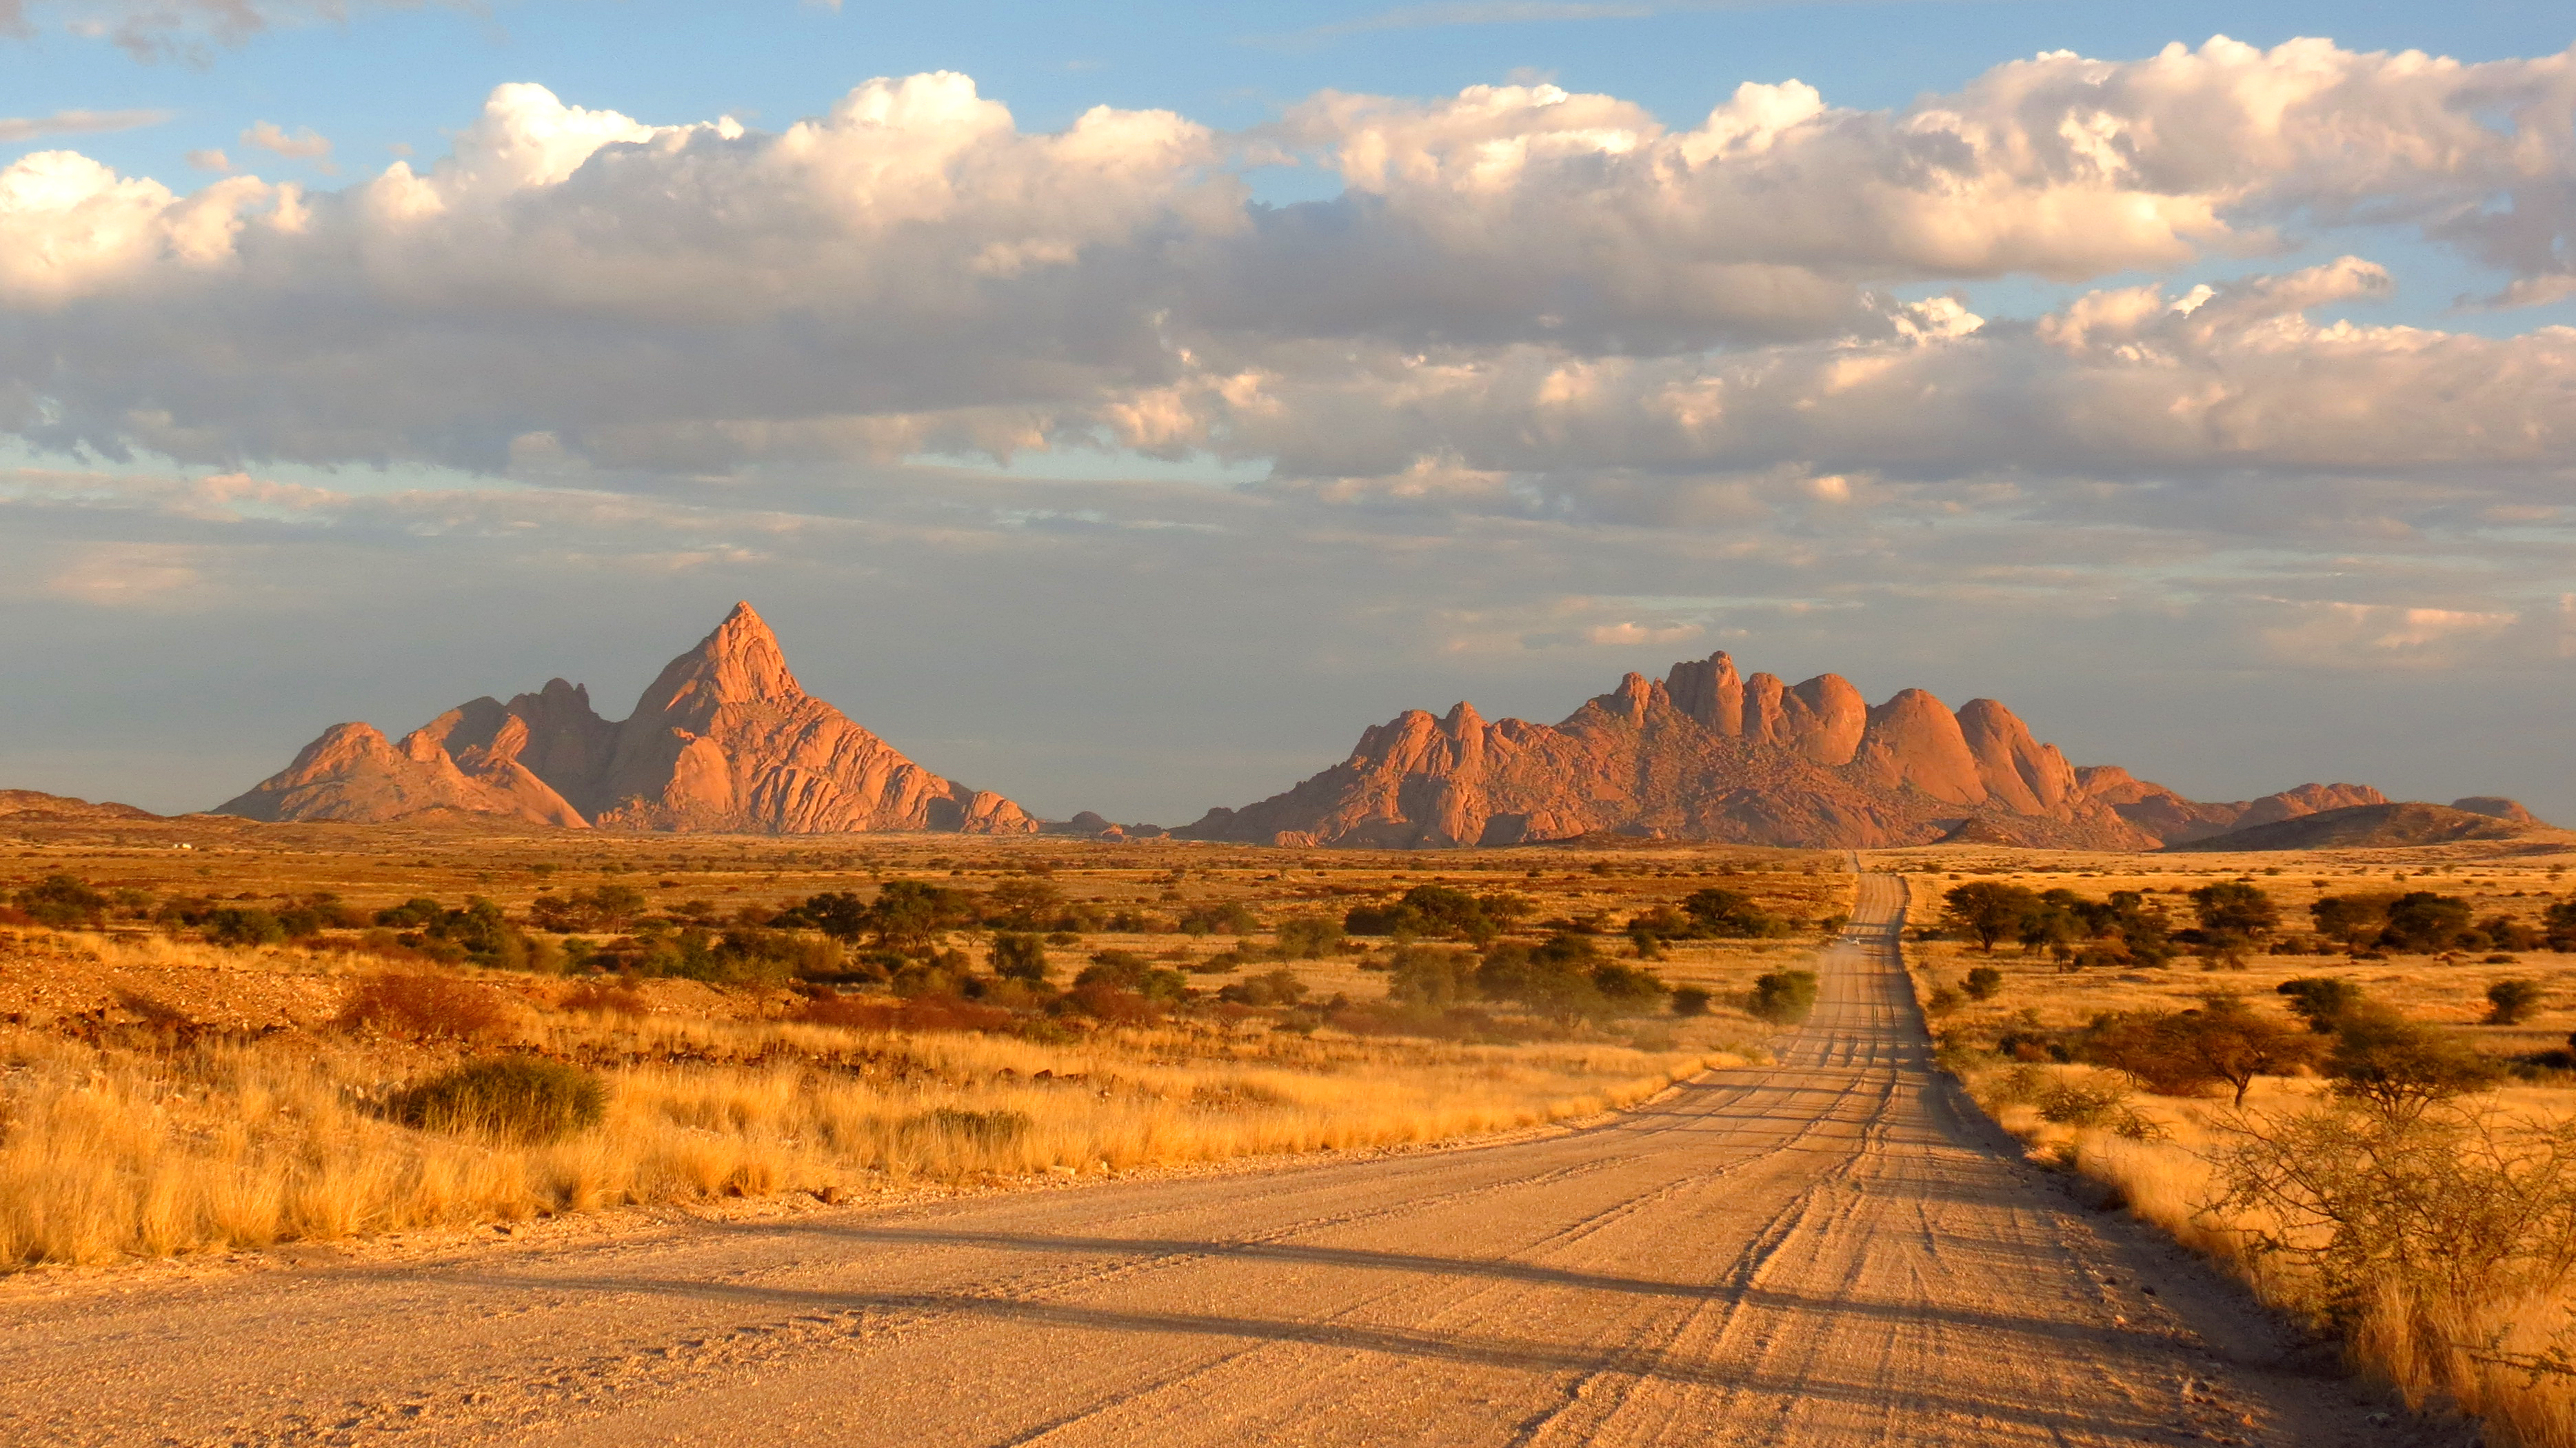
{"x": 2511, "y": 1002}
{"x": 1730, "y": 914}
{"x": 2181, "y": 1053}
{"x": 1983, "y": 983}
{"x": 1690, "y": 1000}
{"x": 2399, "y": 1067}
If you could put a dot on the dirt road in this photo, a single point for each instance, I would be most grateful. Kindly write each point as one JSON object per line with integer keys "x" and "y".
{"x": 1829, "y": 1251}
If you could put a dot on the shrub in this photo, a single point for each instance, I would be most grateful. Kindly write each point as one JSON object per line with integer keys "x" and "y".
{"x": 61, "y": 901}
{"x": 1984, "y": 983}
{"x": 608, "y": 997}
{"x": 1225, "y": 918}
{"x": 2320, "y": 1000}
{"x": 1020, "y": 957}
{"x": 425, "y": 1005}
{"x": 2511, "y": 1002}
{"x": 1690, "y": 1000}
{"x": 244, "y": 926}
{"x": 1629, "y": 989}
{"x": 1309, "y": 937}
{"x": 1428, "y": 977}
{"x": 1785, "y": 997}
{"x": 1731, "y": 914}
{"x": 1280, "y": 987}
{"x": 520, "y": 1098}
{"x": 1944, "y": 1000}
{"x": 2081, "y": 1103}
{"x": 2431, "y": 1209}
{"x": 2354, "y": 920}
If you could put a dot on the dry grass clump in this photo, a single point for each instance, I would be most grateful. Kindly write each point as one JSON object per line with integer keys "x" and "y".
{"x": 514, "y": 1098}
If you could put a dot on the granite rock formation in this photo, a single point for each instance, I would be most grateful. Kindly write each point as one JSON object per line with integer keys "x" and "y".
{"x": 1708, "y": 755}
{"x": 724, "y": 740}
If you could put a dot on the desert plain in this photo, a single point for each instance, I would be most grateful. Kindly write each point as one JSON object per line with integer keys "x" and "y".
{"x": 1210, "y": 1204}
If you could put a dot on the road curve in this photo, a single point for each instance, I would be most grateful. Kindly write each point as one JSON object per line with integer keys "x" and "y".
{"x": 1832, "y": 1250}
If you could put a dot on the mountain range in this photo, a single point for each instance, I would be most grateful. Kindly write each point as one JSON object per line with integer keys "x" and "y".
{"x": 1707, "y": 754}
{"x": 724, "y": 740}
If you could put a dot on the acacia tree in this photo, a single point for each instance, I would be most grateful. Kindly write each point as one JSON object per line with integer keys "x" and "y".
{"x": 2181, "y": 1053}
{"x": 2237, "y": 907}
{"x": 2355, "y": 920}
{"x": 1988, "y": 910}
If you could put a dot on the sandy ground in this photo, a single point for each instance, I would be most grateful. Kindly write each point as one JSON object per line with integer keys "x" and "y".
{"x": 1833, "y": 1250}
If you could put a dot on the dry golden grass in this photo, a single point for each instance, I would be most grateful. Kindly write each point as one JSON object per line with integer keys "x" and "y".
{"x": 108, "y": 1152}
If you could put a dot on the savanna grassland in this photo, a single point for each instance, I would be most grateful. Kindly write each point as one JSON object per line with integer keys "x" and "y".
{"x": 2346, "y": 1074}
{"x": 216, "y": 1035}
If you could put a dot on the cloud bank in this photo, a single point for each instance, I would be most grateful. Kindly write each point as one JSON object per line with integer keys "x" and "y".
{"x": 1547, "y": 375}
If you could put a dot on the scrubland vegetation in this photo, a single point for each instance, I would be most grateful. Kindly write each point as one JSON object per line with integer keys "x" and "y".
{"x": 279, "y": 1044}
{"x": 2355, "y": 1094}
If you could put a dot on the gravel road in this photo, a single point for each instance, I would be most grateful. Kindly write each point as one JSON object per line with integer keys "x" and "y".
{"x": 1833, "y": 1250}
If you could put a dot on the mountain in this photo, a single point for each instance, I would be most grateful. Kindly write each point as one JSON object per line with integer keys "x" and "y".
{"x": 724, "y": 740}
{"x": 2374, "y": 826}
{"x": 1706, "y": 754}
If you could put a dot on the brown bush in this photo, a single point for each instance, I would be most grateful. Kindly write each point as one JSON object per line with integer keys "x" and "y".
{"x": 608, "y": 997}
{"x": 425, "y": 1006}
{"x": 921, "y": 1013}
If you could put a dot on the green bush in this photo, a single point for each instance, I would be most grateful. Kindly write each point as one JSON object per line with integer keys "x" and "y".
{"x": 62, "y": 901}
{"x": 244, "y": 926}
{"x": 2320, "y": 1000}
{"x": 520, "y": 1098}
{"x": 2511, "y": 1002}
{"x": 1018, "y": 956}
{"x": 1690, "y": 1000}
{"x": 1984, "y": 983}
{"x": 1785, "y": 997}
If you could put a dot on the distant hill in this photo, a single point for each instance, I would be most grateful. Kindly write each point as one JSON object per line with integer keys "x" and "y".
{"x": 29, "y": 804}
{"x": 2374, "y": 826}
{"x": 1708, "y": 755}
{"x": 724, "y": 740}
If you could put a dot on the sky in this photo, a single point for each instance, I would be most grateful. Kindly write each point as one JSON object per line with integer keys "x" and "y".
{"x": 1120, "y": 407}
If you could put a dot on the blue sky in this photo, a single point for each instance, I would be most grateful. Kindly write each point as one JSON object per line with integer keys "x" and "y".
{"x": 1070, "y": 481}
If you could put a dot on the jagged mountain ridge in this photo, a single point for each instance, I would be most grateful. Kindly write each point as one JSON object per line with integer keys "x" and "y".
{"x": 724, "y": 739}
{"x": 1706, "y": 754}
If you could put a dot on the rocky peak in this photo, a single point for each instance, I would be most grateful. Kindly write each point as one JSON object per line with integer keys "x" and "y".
{"x": 725, "y": 739}
{"x": 1709, "y": 691}
{"x": 739, "y": 663}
